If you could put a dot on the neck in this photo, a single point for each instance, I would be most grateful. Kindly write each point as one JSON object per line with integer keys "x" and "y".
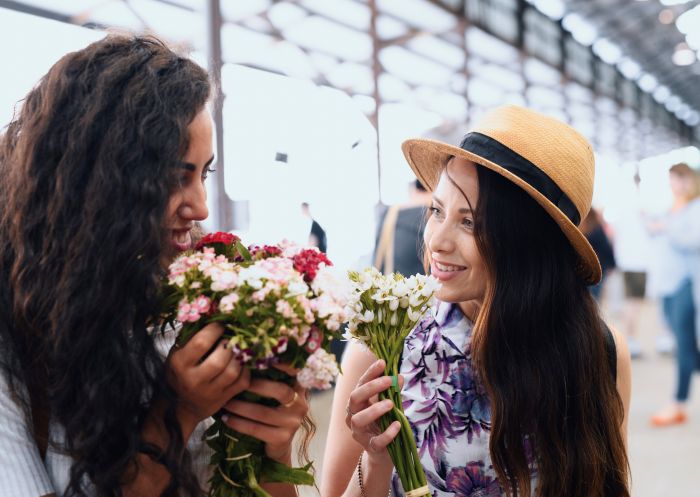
{"x": 679, "y": 203}
{"x": 470, "y": 308}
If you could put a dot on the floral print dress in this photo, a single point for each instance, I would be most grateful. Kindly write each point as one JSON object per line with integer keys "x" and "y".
{"x": 447, "y": 407}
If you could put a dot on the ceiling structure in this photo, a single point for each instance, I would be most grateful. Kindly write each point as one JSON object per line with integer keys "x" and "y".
{"x": 605, "y": 66}
{"x": 651, "y": 43}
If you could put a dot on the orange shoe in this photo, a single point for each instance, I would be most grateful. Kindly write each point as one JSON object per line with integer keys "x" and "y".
{"x": 659, "y": 420}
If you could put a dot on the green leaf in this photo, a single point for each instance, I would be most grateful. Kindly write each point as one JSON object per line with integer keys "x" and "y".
{"x": 274, "y": 471}
{"x": 243, "y": 251}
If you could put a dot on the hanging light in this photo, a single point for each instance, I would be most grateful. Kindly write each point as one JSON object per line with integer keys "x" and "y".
{"x": 661, "y": 94}
{"x": 607, "y": 50}
{"x": 666, "y": 16}
{"x": 683, "y": 55}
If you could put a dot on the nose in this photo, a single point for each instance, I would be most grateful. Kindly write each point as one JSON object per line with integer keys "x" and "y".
{"x": 194, "y": 202}
{"x": 439, "y": 238}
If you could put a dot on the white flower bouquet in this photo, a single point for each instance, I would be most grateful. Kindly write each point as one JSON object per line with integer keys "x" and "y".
{"x": 383, "y": 309}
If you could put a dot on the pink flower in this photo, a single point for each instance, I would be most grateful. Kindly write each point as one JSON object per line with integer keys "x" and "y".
{"x": 183, "y": 311}
{"x": 282, "y": 307}
{"x": 315, "y": 340}
{"x": 319, "y": 371}
{"x": 202, "y": 303}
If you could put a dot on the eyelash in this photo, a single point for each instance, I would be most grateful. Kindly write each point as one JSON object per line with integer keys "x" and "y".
{"x": 206, "y": 172}
{"x": 467, "y": 223}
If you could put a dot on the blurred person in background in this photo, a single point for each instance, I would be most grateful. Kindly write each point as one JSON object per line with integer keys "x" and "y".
{"x": 594, "y": 231}
{"x": 103, "y": 179}
{"x": 678, "y": 259}
{"x": 513, "y": 383}
{"x": 317, "y": 235}
{"x": 633, "y": 255}
{"x": 399, "y": 238}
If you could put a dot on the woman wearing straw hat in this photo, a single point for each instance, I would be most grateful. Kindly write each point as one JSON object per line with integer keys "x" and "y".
{"x": 513, "y": 384}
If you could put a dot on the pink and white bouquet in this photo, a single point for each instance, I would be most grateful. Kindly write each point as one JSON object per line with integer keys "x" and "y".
{"x": 278, "y": 304}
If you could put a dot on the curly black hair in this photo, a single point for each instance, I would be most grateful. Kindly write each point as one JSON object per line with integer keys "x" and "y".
{"x": 88, "y": 165}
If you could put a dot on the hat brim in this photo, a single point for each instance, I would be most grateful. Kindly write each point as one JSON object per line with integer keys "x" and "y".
{"x": 428, "y": 158}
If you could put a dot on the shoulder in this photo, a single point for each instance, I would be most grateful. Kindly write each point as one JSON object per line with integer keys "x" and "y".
{"x": 21, "y": 468}
{"x": 624, "y": 376}
{"x": 624, "y": 366}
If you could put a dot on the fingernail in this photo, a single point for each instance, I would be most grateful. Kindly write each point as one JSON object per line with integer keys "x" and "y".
{"x": 225, "y": 418}
{"x": 388, "y": 404}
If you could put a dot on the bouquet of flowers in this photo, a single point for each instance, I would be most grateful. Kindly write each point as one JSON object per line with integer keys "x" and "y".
{"x": 383, "y": 310}
{"x": 278, "y": 304}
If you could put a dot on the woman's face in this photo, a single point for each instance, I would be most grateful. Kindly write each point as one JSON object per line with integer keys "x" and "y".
{"x": 681, "y": 185}
{"x": 449, "y": 235}
{"x": 188, "y": 203}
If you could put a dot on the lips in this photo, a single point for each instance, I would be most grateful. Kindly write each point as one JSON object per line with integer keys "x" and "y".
{"x": 181, "y": 239}
{"x": 444, "y": 271}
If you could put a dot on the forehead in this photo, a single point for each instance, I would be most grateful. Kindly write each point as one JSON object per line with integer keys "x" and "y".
{"x": 464, "y": 175}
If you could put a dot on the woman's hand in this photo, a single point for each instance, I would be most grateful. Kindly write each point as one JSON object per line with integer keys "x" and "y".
{"x": 205, "y": 375}
{"x": 276, "y": 426}
{"x": 364, "y": 410}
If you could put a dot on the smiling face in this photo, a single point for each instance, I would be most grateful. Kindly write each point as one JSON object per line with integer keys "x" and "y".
{"x": 188, "y": 202}
{"x": 449, "y": 235}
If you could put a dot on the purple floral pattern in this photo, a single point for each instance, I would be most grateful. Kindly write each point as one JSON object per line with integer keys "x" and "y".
{"x": 448, "y": 407}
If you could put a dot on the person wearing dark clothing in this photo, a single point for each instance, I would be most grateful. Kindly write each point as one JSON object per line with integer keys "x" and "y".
{"x": 592, "y": 228}
{"x": 399, "y": 237}
{"x": 317, "y": 236}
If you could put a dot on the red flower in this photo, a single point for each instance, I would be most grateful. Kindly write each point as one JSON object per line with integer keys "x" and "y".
{"x": 264, "y": 252}
{"x": 307, "y": 263}
{"x": 218, "y": 237}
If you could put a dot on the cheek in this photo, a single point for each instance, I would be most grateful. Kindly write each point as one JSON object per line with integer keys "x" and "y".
{"x": 173, "y": 206}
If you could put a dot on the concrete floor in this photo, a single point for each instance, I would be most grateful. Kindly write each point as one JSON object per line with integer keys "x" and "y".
{"x": 664, "y": 461}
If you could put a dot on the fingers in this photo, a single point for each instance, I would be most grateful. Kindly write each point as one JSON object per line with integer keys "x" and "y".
{"x": 286, "y": 368}
{"x": 365, "y": 419}
{"x": 281, "y": 392}
{"x": 240, "y": 384}
{"x": 275, "y": 435}
{"x": 289, "y": 417}
{"x": 201, "y": 343}
{"x": 378, "y": 443}
{"x": 374, "y": 371}
{"x": 220, "y": 362}
{"x": 370, "y": 384}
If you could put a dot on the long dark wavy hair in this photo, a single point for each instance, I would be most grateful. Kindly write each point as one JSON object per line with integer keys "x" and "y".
{"x": 540, "y": 349}
{"x": 88, "y": 165}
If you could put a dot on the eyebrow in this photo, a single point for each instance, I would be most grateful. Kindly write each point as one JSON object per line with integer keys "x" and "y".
{"x": 191, "y": 167}
{"x": 461, "y": 211}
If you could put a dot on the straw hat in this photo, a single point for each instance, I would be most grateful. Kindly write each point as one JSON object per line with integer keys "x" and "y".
{"x": 548, "y": 159}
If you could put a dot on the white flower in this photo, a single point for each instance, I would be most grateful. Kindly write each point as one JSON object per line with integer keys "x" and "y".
{"x": 228, "y": 302}
{"x": 223, "y": 280}
{"x": 367, "y": 316}
{"x": 414, "y": 315}
{"x": 297, "y": 287}
{"x": 414, "y": 300}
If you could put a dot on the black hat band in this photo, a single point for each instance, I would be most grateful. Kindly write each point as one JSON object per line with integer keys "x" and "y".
{"x": 494, "y": 151}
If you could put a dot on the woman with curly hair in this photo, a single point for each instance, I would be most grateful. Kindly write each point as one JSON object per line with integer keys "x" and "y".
{"x": 513, "y": 385}
{"x": 103, "y": 174}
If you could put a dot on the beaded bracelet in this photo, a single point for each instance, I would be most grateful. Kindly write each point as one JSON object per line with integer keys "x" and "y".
{"x": 360, "y": 480}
